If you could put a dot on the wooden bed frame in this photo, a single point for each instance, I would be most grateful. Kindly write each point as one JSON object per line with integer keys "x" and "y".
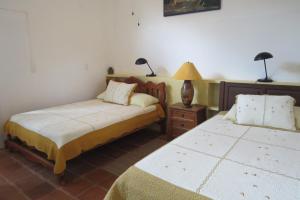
{"x": 156, "y": 90}
{"x": 228, "y": 92}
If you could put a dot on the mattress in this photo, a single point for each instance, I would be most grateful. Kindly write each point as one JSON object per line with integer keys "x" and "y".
{"x": 64, "y": 132}
{"x": 221, "y": 160}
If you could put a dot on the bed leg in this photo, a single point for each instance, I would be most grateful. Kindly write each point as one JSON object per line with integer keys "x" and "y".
{"x": 6, "y": 144}
{"x": 162, "y": 125}
{"x": 61, "y": 178}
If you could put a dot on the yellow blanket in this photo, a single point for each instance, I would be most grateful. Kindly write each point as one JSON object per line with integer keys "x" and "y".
{"x": 84, "y": 143}
{"x": 136, "y": 184}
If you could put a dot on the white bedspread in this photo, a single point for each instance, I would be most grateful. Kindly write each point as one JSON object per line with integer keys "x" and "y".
{"x": 225, "y": 161}
{"x": 63, "y": 124}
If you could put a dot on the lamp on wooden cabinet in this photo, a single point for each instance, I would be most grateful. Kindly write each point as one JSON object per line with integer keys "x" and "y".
{"x": 188, "y": 73}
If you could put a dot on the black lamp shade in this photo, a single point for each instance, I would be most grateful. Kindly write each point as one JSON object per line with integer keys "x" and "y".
{"x": 263, "y": 56}
{"x": 141, "y": 61}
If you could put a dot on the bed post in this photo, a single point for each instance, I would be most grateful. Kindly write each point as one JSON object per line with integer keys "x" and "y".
{"x": 221, "y": 96}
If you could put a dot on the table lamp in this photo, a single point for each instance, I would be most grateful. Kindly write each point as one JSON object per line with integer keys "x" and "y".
{"x": 264, "y": 56}
{"x": 142, "y": 61}
{"x": 188, "y": 73}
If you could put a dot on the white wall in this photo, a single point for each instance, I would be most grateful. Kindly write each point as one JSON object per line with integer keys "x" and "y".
{"x": 221, "y": 43}
{"x": 51, "y": 52}
{"x": 56, "y": 51}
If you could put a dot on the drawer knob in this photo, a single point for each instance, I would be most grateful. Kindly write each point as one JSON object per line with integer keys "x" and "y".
{"x": 182, "y": 115}
{"x": 182, "y": 125}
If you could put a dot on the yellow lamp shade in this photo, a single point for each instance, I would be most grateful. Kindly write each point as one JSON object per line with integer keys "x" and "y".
{"x": 187, "y": 71}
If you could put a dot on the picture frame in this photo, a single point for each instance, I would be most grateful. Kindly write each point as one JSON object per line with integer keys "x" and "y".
{"x": 180, "y": 7}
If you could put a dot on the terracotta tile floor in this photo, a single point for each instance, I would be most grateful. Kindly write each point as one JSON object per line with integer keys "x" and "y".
{"x": 88, "y": 177}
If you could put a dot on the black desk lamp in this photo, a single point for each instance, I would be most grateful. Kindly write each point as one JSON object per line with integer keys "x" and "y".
{"x": 142, "y": 61}
{"x": 264, "y": 56}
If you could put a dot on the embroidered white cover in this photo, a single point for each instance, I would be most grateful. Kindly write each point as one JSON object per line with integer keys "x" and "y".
{"x": 63, "y": 124}
{"x": 225, "y": 161}
{"x": 266, "y": 110}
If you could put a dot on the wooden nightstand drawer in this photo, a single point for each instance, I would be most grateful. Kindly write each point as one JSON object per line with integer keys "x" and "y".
{"x": 182, "y": 119}
{"x": 183, "y": 114}
{"x": 183, "y": 124}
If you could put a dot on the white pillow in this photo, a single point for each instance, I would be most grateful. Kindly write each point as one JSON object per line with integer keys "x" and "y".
{"x": 231, "y": 114}
{"x": 297, "y": 116}
{"x": 118, "y": 92}
{"x": 101, "y": 96}
{"x": 279, "y": 112}
{"x": 143, "y": 100}
{"x": 250, "y": 109}
{"x": 266, "y": 110}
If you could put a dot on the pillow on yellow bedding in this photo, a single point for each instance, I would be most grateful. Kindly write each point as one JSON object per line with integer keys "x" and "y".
{"x": 143, "y": 100}
{"x": 118, "y": 92}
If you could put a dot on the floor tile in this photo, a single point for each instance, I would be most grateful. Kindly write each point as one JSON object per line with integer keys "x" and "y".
{"x": 87, "y": 177}
{"x": 112, "y": 152}
{"x": 116, "y": 168}
{"x": 17, "y": 174}
{"x": 48, "y": 175}
{"x": 123, "y": 145}
{"x": 99, "y": 176}
{"x": 97, "y": 159}
{"x": 4, "y": 155}
{"x": 8, "y": 192}
{"x": 94, "y": 193}
{"x": 148, "y": 148}
{"x": 8, "y": 166}
{"x": 23, "y": 160}
{"x": 80, "y": 167}
{"x": 108, "y": 183}
{"x": 2, "y": 181}
{"x": 57, "y": 195}
{"x": 76, "y": 186}
{"x": 120, "y": 165}
{"x": 34, "y": 187}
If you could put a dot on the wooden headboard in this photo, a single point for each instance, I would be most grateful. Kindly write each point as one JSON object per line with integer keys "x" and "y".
{"x": 157, "y": 90}
{"x": 228, "y": 92}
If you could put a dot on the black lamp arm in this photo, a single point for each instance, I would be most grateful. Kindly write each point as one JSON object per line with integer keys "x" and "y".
{"x": 150, "y": 68}
{"x": 266, "y": 69}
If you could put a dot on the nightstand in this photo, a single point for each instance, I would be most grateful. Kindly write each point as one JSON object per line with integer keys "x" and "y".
{"x": 182, "y": 119}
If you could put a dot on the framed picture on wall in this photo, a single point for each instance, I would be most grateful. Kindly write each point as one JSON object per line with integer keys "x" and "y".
{"x": 179, "y": 7}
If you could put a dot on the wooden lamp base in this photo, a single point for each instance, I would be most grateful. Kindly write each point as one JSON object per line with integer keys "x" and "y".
{"x": 187, "y": 93}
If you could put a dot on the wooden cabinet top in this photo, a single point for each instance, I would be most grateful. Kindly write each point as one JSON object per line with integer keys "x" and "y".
{"x": 194, "y": 108}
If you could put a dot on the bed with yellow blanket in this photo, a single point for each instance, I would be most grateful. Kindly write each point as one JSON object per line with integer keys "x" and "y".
{"x": 221, "y": 159}
{"x": 64, "y": 132}
{"x": 217, "y": 160}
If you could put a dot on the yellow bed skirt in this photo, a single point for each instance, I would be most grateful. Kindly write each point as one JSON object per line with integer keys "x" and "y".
{"x": 84, "y": 143}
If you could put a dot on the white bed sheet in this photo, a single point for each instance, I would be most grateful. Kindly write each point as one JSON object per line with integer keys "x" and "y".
{"x": 63, "y": 124}
{"x": 226, "y": 161}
